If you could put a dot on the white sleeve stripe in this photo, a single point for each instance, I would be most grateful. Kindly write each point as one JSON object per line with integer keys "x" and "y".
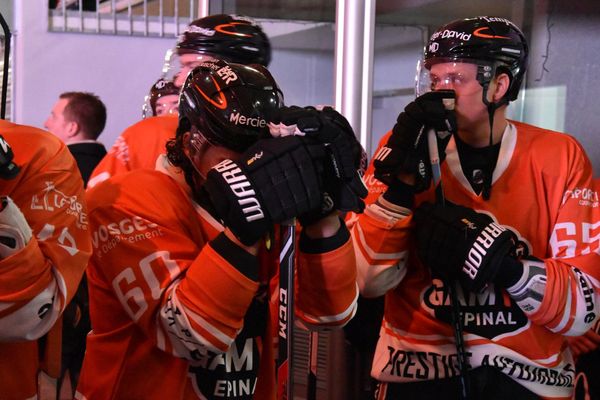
{"x": 335, "y": 318}
{"x": 372, "y": 254}
{"x": 161, "y": 342}
{"x": 97, "y": 179}
{"x": 566, "y": 311}
{"x": 222, "y": 337}
{"x": 182, "y": 337}
{"x": 25, "y": 323}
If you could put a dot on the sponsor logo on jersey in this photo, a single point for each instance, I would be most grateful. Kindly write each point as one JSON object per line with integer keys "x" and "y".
{"x": 374, "y": 185}
{"x": 230, "y": 375}
{"x": 488, "y": 314}
{"x": 425, "y": 365}
{"x": 53, "y": 199}
{"x": 239, "y": 119}
{"x": 585, "y": 197}
{"x": 430, "y": 365}
{"x": 531, "y": 373}
{"x": 131, "y": 230}
{"x": 588, "y": 296}
{"x": 241, "y": 188}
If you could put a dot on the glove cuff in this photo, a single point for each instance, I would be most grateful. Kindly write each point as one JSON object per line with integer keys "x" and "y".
{"x": 239, "y": 258}
{"x": 400, "y": 194}
{"x": 509, "y": 273}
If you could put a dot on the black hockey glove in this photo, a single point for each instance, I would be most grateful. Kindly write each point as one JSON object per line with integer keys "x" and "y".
{"x": 406, "y": 150}
{"x": 273, "y": 181}
{"x": 459, "y": 243}
{"x": 344, "y": 188}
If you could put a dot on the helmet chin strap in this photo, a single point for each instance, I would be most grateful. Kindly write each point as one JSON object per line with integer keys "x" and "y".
{"x": 491, "y": 109}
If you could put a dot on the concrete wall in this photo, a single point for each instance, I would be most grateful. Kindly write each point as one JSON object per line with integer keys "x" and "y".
{"x": 565, "y": 57}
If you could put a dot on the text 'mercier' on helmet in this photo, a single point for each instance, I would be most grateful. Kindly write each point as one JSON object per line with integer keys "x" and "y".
{"x": 234, "y": 38}
{"x": 494, "y": 44}
{"x": 229, "y": 103}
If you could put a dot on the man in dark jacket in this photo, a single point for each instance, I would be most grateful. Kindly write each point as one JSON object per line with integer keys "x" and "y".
{"x": 78, "y": 118}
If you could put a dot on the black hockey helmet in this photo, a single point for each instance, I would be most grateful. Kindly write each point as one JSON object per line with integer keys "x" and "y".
{"x": 162, "y": 87}
{"x": 231, "y": 37}
{"x": 494, "y": 44}
{"x": 229, "y": 103}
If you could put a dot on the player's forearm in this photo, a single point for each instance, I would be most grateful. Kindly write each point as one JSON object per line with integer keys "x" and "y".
{"x": 213, "y": 298}
{"x": 32, "y": 296}
{"x": 381, "y": 242}
{"x": 556, "y": 295}
{"x": 327, "y": 290}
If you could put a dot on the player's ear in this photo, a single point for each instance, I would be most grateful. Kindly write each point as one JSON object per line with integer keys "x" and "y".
{"x": 502, "y": 83}
{"x": 72, "y": 128}
{"x": 186, "y": 143}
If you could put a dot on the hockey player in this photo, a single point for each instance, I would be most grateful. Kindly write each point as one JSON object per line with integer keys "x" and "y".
{"x": 483, "y": 287}
{"x": 44, "y": 249}
{"x": 181, "y": 278}
{"x": 232, "y": 38}
{"x": 162, "y": 99}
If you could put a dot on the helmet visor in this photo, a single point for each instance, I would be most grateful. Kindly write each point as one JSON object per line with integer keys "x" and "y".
{"x": 176, "y": 67}
{"x": 446, "y": 74}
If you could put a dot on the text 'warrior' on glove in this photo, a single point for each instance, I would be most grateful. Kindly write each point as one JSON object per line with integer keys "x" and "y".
{"x": 347, "y": 160}
{"x": 273, "y": 181}
{"x": 459, "y": 243}
{"x": 406, "y": 151}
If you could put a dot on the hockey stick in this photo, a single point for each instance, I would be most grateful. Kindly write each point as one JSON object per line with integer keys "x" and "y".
{"x": 436, "y": 171}
{"x": 7, "y": 36}
{"x": 313, "y": 350}
{"x": 285, "y": 315}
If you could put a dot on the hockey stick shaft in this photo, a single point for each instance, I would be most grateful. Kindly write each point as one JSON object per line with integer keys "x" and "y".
{"x": 436, "y": 171}
{"x": 285, "y": 363}
{"x": 7, "y": 36}
{"x": 313, "y": 350}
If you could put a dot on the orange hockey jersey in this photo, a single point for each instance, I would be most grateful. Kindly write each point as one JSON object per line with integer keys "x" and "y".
{"x": 177, "y": 310}
{"x": 542, "y": 190}
{"x": 38, "y": 281}
{"x": 138, "y": 147}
